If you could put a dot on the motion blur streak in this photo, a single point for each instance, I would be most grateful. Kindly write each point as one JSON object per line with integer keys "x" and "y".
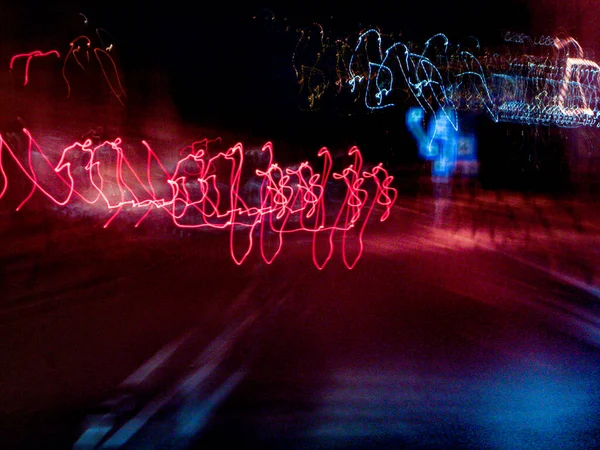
{"x": 78, "y": 58}
{"x": 29, "y": 56}
{"x": 546, "y": 86}
{"x": 278, "y": 200}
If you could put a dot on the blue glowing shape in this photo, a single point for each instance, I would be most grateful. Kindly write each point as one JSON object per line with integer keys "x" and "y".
{"x": 442, "y": 144}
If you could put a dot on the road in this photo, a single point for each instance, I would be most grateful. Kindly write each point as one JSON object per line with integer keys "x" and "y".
{"x": 440, "y": 337}
{"x": 425, "y": 345}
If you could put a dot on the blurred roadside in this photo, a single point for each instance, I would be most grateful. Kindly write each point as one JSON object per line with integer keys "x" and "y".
{"x": 558, "y": 233}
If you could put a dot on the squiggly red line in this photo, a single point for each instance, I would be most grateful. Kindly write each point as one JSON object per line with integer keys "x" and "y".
{"x": 192, "y": 194}
{"x": 29, "y": 57}
{"x": 108, "y": 68}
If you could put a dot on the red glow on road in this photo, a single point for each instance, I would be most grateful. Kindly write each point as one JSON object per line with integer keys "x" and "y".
{"x": 214, "y": 191}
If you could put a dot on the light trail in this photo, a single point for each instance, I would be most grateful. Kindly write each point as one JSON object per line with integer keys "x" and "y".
{"x": 29, "y": 57}
{"x": 206, "y": 191}
{"x": 80, "y": 56}
{"x": 555, "y": 85}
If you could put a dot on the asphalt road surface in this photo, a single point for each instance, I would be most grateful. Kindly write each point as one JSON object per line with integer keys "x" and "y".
{"x": 436, "y": 339}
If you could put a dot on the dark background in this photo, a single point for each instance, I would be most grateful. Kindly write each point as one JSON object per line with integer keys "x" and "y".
{"x": 228, "y": 66}
{"x": 225, "y": 57}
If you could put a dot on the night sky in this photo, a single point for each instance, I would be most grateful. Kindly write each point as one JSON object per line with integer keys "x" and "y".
{"x": 230, "y": 65}
{"x": 208, "y": 42}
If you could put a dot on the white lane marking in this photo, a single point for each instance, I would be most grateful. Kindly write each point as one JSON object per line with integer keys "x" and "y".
{"x": 208, "y": 361}
{"x": 157, "y": 360}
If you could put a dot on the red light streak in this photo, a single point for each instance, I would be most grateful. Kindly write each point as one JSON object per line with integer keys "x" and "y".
{"x": 29, "y": 57}
{"x": 79, "y": 53}
{"x": 205, "y": 191}
{"x": 84, "y": 44}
